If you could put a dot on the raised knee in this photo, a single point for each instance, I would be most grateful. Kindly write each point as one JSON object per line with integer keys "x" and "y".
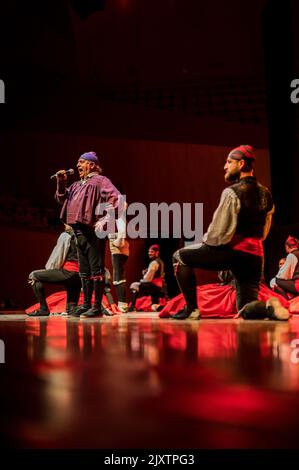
{"x": 177, "y": 257}
{"x": 135, "y": 286}
{"x": 32, "y": 277}
{"x": 177, "y": 261}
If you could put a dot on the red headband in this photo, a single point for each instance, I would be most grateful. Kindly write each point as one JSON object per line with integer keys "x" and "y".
{"x": 243, "y": 151}
{"x": 292, "y": 242}
{"x": 154, "y": 248}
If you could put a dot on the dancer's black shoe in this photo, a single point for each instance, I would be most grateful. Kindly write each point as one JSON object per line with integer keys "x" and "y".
{"x": 187, "y": 313}
{"x": 39, "y": 313}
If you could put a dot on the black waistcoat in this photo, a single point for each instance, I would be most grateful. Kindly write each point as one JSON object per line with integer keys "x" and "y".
{"x": 256, "y": 202}
{"x": 160, "y": 270}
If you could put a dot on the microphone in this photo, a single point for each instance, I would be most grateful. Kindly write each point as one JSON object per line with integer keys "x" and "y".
{"x": 67, "y": 172}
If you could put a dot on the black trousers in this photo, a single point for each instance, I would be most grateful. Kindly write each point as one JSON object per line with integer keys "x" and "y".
{"x": 118, "y": 264}
{"x": 91, "y": 254}
{"x": 70, "y": 279}
{"x": 148, "y": 288}
{"x": 246, "y": 268}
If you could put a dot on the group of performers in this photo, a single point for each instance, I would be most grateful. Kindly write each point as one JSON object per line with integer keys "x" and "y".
{"x": 233, "y": 242}
{"x": 79, "y": 256}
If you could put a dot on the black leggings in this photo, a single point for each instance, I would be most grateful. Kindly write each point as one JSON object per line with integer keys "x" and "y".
{"x": 118, "y": 264}
{"x": 246, "y": 268}
{"x": 119, "y": 276}
{"x": 70, "y": 279}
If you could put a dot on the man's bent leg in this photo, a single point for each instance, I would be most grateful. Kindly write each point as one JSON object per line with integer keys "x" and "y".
{"x": 135, "y": 286}
{"x": 186, "y": 280}
{"x": 248, "y": 274}
{"x": 287, "y": 286}
{"x": 247, "y": 293}
{"x": 39, "y": 291}
{"x": 119, "y": 280}
{"x": 212, "y": 258}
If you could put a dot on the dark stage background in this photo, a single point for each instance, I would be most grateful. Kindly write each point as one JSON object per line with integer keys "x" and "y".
{"x": 161, "y": 90}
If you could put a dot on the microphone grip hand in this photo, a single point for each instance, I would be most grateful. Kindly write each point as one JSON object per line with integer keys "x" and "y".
{"x": 61, "y": 175}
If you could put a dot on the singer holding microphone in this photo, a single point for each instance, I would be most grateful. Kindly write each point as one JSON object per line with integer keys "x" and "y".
{"x": 80, "y": 201}
{"x": 62, "y": 172}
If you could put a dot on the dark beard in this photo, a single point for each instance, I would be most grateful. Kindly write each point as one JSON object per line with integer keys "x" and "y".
{"x": 232, "y": 177}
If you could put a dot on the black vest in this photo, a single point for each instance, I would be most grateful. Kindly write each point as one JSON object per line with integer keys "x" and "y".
{"x": 256, "y": 202}
{"x": 160, "y": 270}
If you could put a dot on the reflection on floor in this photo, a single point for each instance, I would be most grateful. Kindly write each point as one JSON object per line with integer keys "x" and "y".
{"x": 134, "y": 381}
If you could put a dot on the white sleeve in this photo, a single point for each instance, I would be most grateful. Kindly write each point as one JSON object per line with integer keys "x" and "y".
{"x": 273, "y": 283}
{"x": 287, "y": 270}
{"x": 223, "y": 226}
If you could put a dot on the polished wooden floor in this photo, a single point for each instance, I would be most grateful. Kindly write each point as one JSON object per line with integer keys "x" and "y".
{"x": 135, "y": 381}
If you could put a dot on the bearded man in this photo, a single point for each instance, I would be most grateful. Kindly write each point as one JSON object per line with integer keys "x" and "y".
{"x": 234, "y": 241}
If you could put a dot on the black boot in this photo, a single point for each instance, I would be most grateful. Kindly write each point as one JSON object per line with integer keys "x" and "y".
{"x": 87, "y": 285}
{"x": 132, "y": 307}
{"x": 70, "y": 308}
{"x": 39, "y": 313}
{"x": 39, "y": 292}
{"x": 96, "y": 309}
{"x": 190, "y": 313}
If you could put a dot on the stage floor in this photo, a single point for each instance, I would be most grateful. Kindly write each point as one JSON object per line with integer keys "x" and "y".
{"x": 137, "y": 381}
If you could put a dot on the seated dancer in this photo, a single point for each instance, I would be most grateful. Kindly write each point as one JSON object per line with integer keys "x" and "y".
{"x": 152, "y": 282}
{"x": 119, "y": 249}
{"x": 286, "y": 281}
{"x": 233, "y": 241}
{"x": 272, "y": 283}
{"x": 61, "y": 268}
